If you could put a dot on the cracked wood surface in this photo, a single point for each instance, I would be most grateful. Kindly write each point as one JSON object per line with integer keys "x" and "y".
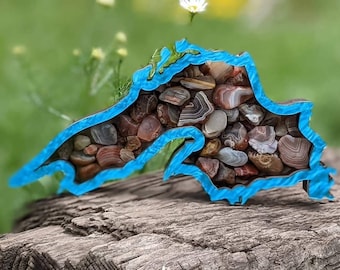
{"x": 144, "y": 223}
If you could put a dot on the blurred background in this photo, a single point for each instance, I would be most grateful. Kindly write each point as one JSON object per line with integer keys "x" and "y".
{"x": 45, "y": 47}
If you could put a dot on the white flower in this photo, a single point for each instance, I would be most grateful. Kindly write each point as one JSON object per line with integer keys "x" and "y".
{"x": 98, "y": 53}
{"x": 106, "y": 3}
{"x": 122, "y": 52}
{"x": 193, "y": 6}
{"x": 121, "y": 37}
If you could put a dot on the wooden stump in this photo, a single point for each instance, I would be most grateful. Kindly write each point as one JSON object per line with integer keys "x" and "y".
{"x": 144, "y": 223}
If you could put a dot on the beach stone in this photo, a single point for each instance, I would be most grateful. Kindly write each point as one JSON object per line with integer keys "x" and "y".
{"x": 105, "y": 134}
{"x": 145, "y": 105}
{"x": 133, "y": 143}
{"x": 176, "y": 95}
{"x": 126, "y": 155}
{"x": 80, "y": 159}
{"x": 211, "y": 148}
{"x": 88, "y": 171}
{"x": 109, "y": 156}
{"x": 208, "y": 165}
{"x": 232, "y": 157}
{"x": 149, "y": 129}
{"x": 126, "y": 126}
{"x": 91, "y": 149}
{"x": 81, "y": 141}
{"x": 225, "y": 176}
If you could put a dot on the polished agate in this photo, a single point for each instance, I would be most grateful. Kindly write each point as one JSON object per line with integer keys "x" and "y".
{"x": 237, "y": 141}
{"x": 240, "y": 133}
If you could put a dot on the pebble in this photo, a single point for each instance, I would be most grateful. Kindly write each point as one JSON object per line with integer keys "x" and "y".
{"x": 109, "y": 156}
{"x": 196, "y": 111}
{"x": 220, "y": 71}
{"x": 199, "y": 83}
{"x": 81, "y": 141}
{"x": 211, "y": 148}
{"x": 246, "y": 170}
{"x": 230, "y": 96}
{"x": 126, "y": 155}
{"x": 80, "y": 159}
{"x": 253, "y": 113}
{"x": 133, "y": 143}
{"x": 88, "y": 171}
{"x": 126, "y": 126}
{"x": 176, "y": 95}
{"x": 262, "y": 139}
{"x": 270, "y": 164}
{"x": 168, "y": 115}
{"x": 232, "y": 157}
{"x": 104, "y": 134}
{"x": 294, "y": 151}
{"x": 208, "y": 165}
{"x": 145, "y": 105}
{"x": 91, "y": 149}
{"x": 150, "y": 129}
{"x": 236, "y": 137}
{"x": 216, "y": 123}
{"x": 225, "y": 176}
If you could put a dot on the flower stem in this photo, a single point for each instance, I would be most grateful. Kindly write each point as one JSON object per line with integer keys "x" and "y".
{"x": 192, "y": 15}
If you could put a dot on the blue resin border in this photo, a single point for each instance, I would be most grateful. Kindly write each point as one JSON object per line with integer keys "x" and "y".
{"x": 165, "y": 66}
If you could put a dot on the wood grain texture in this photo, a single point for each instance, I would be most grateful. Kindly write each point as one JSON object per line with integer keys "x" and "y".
{"x": 144, "y": 223}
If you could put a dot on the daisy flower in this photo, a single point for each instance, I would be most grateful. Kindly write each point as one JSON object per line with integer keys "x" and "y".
{"x": 193, "y": 6}
{"x": 106, "y": 3}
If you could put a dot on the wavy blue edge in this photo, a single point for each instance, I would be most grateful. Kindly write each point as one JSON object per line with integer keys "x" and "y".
{"x": 319, "y": 181}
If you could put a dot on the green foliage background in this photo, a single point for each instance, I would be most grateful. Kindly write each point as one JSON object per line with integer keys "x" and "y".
{"x": 296, "y": 50}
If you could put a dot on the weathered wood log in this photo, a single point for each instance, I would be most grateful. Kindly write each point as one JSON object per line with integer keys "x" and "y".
{"x": 144, "y": 223}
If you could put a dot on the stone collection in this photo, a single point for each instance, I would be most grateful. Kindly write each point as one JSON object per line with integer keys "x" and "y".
{"x": 244, "y": 141}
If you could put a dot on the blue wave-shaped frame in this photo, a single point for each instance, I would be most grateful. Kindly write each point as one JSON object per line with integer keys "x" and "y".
{"x": 317, "y": 176}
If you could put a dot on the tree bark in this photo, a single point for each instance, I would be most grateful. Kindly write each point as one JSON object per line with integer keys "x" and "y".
{"x": 144, "y": 223}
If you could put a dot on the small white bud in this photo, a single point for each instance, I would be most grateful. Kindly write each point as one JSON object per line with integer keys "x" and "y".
{"x": 122, "y": 52}
{"x": 121, "y": 37}
{"x": 98, "y": 54}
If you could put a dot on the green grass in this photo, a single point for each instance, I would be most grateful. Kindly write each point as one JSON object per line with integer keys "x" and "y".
{"x": 295, "y": 50}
